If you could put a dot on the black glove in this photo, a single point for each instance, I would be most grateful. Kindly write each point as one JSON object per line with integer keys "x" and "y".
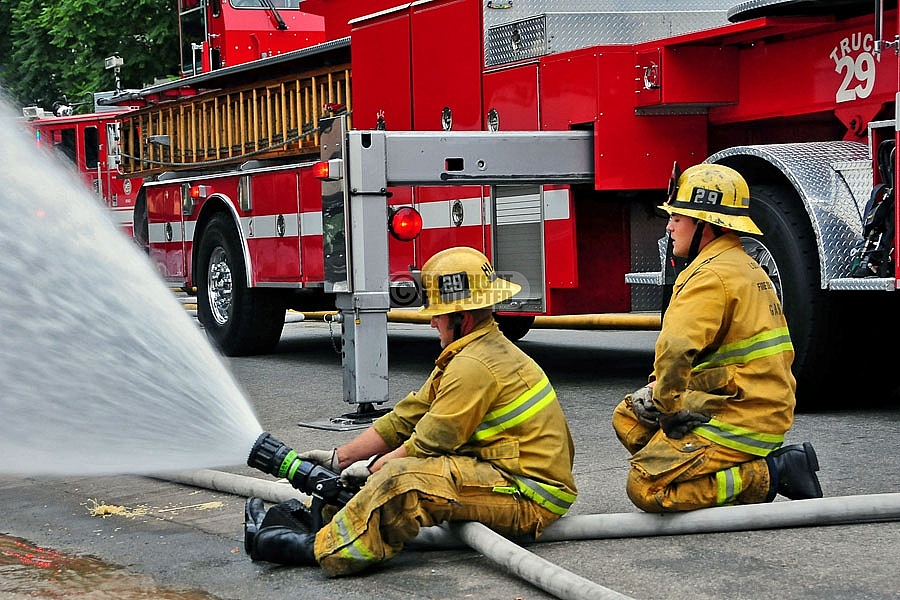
{"x": 677, "y": 424}
{"x": 641, "y": 402}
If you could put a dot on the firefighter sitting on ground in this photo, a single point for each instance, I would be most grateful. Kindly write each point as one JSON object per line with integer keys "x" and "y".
{"x": 707, "y": 430}
{"x": 484, "y": 439}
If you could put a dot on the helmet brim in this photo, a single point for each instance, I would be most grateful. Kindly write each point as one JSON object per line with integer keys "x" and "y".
{"x": 742, "y": 223}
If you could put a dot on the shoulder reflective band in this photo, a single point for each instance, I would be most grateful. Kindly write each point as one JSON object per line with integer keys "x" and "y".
{"x": 740, "y": 438}
{"x": 552, "y": 498}
{"x": 517, "y": 411}
{"x": 767, "y": 343}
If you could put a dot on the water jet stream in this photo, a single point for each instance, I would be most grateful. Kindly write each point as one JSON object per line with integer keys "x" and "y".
{"x": 102, "y": 370}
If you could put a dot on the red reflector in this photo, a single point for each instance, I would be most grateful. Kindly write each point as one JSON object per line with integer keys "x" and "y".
{"x": 405, "y": 223}
{"x": 320, "y": 169}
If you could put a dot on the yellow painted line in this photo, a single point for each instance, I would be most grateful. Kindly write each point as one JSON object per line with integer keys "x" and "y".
{"x": 615, "y": 321}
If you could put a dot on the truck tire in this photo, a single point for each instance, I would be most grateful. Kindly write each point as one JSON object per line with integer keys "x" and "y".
{"x": 787, "y": 252}
{"x": 838, "y": 356}
{"x": 514, "y": 327}
{"x": 240, "y": 321}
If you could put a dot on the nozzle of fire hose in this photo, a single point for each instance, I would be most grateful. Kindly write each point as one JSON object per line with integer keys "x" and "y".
{"x": 275, "y": 458}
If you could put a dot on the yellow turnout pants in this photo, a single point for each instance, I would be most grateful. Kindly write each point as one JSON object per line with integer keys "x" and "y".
{"x": 409, "y": 493}
{"x": 670, "y": 475}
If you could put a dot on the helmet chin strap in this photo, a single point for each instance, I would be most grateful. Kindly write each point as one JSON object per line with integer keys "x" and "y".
{"x": 456, "y": 320}
{"x": 694, "y": 250}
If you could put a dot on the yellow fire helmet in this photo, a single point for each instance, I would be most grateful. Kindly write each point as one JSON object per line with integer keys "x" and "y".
{"x": 462, "y": 278}
{"x": 713, "y": 193}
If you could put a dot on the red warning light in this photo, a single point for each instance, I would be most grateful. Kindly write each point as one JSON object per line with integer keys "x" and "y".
{"x": 405, "y": 223}
{"x": 320, "y": 169}
{"x": 327, "y": 170}
{"x": 200, "y": 191}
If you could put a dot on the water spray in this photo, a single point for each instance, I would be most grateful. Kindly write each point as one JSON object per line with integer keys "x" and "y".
{"x": 96, "y": 351}
{"x": 271, "y": 456}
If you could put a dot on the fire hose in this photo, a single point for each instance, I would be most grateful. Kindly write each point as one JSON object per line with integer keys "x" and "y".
{"x": 274, "y": 458}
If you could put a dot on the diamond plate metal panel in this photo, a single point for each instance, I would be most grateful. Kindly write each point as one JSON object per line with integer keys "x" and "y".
{"x": 648, "y": 251}
{"x": 745, "y": 8}
{"x": 527, "y": 30}
{"x": 507, "y": 12}
{"x": 857, "y": 284}
{"x": 834, "y": 180}
{"x": 516, "y": 41}
{"x": 752, "y": 9}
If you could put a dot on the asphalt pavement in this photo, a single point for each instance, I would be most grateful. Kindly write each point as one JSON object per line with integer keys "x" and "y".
{"x": 169, "y": 540}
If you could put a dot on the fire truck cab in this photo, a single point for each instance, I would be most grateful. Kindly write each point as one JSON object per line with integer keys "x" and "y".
{"x": 215, "y": 34}
{"x": 88, "y": 143}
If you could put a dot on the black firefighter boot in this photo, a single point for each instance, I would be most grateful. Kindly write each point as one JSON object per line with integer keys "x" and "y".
{"x": 254, "y": 513}
{"x": 284, "y": 546}
{"x": 284, "y": 536}
{"x": 792, "y": 472}
{"x": 292, "y": 514}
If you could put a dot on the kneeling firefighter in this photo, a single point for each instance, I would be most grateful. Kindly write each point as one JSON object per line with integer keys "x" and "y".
{"x": 708, "y": 428}
{"x": 484, "y": 439}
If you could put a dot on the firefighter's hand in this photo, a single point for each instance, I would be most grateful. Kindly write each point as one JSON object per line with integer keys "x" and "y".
{"x": 323, "y": 458}
{"x": 678, "y": 424}
{"x": 356, "y": 474}
{"x": 643, "y": 408}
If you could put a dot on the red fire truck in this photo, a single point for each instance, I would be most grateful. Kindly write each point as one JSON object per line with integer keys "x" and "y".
{"x": 542, "y": 133}
{"x": 85, "y": 142}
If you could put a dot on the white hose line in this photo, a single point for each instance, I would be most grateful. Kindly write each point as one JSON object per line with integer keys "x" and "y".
{"x": 542, "y": 573}
{"x": 776, "y": 515}
{"x": 837, "y": 510}
{"x": 239, "y": 485}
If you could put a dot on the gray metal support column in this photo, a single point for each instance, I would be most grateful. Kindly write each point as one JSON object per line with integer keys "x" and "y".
{"x": 365, "y": 306}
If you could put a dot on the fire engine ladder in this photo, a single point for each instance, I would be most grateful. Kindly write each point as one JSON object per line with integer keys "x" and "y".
{"x": 265, "y": 120}
{"x": 363, "y": 164}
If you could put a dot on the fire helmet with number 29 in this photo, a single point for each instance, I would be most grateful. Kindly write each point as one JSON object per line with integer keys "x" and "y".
{"x": 713, "y": 193}
{"x": 462, "y": 278}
